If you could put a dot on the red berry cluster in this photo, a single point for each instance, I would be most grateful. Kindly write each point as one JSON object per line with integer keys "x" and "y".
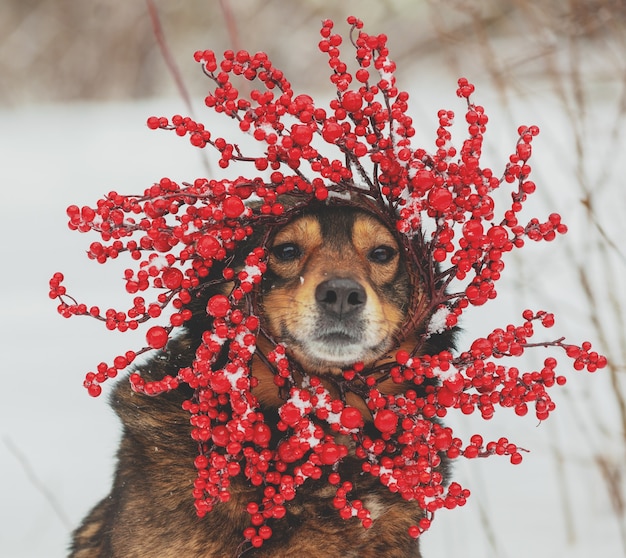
{"x": 357, "y": 151}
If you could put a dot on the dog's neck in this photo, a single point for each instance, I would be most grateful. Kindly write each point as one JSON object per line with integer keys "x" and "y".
{"x": 270, "y": 395}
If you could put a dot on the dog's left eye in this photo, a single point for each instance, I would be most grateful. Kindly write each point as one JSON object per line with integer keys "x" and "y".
{"x": 382, "y": 254}
{"x": 287, "y": 252}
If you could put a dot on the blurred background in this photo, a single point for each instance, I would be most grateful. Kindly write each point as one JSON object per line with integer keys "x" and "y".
{"x": 77, "y": 81}
{"x": 65, "y": 50}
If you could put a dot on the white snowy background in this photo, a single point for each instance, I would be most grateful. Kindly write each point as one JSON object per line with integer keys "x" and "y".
{"x": 60, "y": 146}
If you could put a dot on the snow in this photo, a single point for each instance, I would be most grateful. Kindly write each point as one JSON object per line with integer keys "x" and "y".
{"x": 437, "y": 323}
{"x": 58, "y": 444}
{"x": 451, "y": 373}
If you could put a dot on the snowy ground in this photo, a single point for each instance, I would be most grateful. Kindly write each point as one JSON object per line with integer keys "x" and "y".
{"x": 57, "y": 447}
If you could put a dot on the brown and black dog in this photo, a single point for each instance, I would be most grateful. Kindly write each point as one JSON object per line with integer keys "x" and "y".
{"x": 337, "y": 291}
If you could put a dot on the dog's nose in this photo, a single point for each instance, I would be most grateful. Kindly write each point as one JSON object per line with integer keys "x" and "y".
{"x": 340, "y": 296}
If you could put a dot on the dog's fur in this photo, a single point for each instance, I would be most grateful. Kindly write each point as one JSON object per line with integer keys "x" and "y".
{"x": 336, "y": 291}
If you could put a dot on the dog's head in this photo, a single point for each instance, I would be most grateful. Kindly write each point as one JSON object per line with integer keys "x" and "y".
{"x": 337, "y": 290}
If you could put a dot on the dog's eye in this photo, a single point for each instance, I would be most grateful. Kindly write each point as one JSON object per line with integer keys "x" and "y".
{"x": 382, "y": 254}
{"x": 287, "y": 252}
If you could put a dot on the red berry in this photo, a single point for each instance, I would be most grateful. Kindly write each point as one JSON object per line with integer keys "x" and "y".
{"x": 330, "y": 453}
{"x": 262, "y": 435}
{"x": 352, "y": 101}
{"x": 219, "y": 383}
{"x": 172, "y": 278}
{"x": 94, "y": 390}
{"x": 473, "y": 230}
{"x": 386, "y": 421}
{"x": 218, "y": 306}
{"x": 332, "y": 131}
{"x": 402, "y": 356}
{"x": 440, "y": 199}
{"x": 455, "y": 384}
{"x": 207, "y": 246}
{"x": 157, "y": 337}
{"x": 424, "y": 179}
{"x": 153, "y": 122}
{"x": 351, "y": 417}
{"x": 233, "y": 207}
{"x": 414, "y": 531}
{"x": 446, "y": 397}
{"x": 498, "y": 236}
{"x": 301, "y": 134}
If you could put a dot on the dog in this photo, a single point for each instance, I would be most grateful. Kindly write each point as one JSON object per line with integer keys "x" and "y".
{"x": 336, "y": 292}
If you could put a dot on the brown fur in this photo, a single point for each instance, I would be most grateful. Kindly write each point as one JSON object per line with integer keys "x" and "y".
{"x": 150, "y": 511}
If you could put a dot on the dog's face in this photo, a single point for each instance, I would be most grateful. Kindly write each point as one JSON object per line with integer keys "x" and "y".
{"x": 337, "y": 289}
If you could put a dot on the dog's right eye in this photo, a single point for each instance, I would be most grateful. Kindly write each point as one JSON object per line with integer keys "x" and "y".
{"x": 287, "y": 252}
{"x": 382, "y": 254}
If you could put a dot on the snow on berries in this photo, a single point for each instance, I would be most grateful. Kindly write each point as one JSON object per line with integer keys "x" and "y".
{"x": 357, "y": 149}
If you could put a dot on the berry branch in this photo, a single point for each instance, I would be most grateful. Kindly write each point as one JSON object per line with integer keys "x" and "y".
{"x": 182, "y": 238}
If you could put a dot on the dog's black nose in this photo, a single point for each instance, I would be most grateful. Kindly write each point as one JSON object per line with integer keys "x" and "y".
{"x": 340, "y": 296}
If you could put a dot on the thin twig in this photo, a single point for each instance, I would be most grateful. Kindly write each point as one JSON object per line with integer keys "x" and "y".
{"x": 231, "y": 24}
{"x": 561, "y": 480}
{"x": 157, "y": 28}
{"x": 37, "y": 483}
{"x": 613, "y": 479}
